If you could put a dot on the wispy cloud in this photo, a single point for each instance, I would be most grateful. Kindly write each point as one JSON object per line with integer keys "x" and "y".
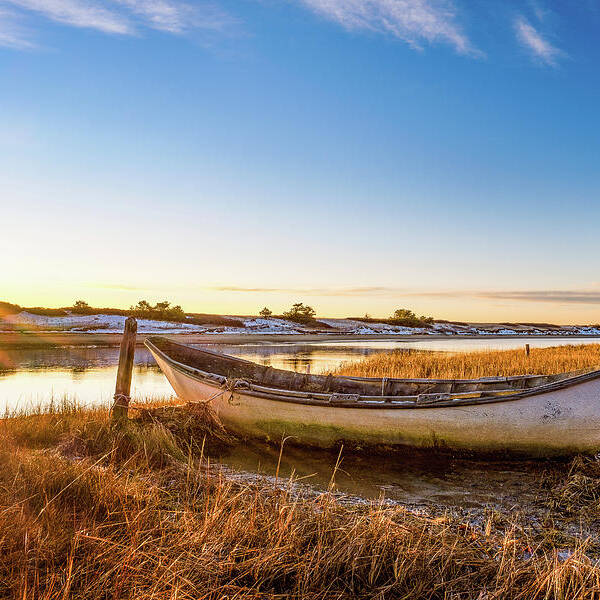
{"x": 588, "y": 296}
{"x": 12, "y": 34}
{"x": 541, "y": 49}
{"x": 538, "y": 9}
{"x": 344, "y": 291}
{"x": 554, "y": 296}
{"x": 306, "y": 291}
{"x": 78, "y": 13}
{"x": 177, "y": 17}
{"x": 121, "y": 17}
{"x": 414, "y": 21}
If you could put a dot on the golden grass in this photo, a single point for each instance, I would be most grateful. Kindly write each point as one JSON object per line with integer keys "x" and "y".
{"x": 91, "y": 512}
{"x": 470, "y": 365}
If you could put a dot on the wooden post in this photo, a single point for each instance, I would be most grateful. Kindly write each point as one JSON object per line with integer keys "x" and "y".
{"x": 123, "y": 387}
{"x": 527, "y": 349}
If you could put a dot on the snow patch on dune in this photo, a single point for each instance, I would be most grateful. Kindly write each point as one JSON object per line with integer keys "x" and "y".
{"x": 92, "y": 323}
{"x": 257, "y": 325}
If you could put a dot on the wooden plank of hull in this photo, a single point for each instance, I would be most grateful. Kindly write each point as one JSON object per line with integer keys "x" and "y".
{"x": 232, "y": 367}
{"x": 559, "y": 422}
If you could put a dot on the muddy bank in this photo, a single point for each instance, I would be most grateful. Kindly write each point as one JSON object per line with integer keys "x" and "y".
{"x": 552, "y": 502}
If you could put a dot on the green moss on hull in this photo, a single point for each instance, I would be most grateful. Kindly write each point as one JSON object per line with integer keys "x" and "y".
{"x": 323, "y": 436}
{"x": 330, "y": 436}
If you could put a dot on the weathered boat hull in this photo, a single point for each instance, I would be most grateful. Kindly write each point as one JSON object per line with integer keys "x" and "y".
{"x": 552, "y": 423}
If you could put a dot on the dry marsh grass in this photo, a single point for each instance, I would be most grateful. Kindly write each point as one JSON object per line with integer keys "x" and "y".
{"x": 470, "y": 365}
{"x": 91, "y": 512}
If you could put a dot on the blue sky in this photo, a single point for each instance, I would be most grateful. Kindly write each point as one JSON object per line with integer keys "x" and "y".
{"x": 358, "y": 155}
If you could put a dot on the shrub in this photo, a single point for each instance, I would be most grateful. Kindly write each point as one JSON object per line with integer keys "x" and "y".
{"x": 407, "y": 318}
{"x": 300, "y": 313}
{"x": 401, "y": 316}
{"x": 265, "y": 313}
{"x": 162, "y": 311}
{"x": 81, "y": 307}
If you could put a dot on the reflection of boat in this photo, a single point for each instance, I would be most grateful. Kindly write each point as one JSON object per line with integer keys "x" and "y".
{"x": 534, "y": 415}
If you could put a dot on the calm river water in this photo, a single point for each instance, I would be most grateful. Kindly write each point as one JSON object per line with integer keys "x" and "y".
{"x": 32, "y": 377}
{"x": 37, "y": 376}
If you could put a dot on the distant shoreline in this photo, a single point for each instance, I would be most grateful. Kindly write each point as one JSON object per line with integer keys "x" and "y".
{"x": 35, "y": 339}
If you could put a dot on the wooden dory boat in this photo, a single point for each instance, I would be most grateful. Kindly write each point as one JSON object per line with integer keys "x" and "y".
{"x": 531, "y": 415}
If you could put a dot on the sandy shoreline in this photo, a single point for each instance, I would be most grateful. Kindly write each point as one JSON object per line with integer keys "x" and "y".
{"x": 49, "y": 339}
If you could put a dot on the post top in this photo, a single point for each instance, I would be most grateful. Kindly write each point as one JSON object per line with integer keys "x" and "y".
{"x": 130, "y": 324}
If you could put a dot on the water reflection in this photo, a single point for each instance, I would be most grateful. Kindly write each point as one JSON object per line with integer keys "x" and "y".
{"x": 87, "y": 373}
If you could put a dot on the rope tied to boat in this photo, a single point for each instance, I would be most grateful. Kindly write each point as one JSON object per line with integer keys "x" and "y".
{"x": 213, "y": 397}
{"x": 237, "y": 384}
{"x": 227, "y": 385}
{"x": 234, "y": 384}
{"x": 122, "y": 400}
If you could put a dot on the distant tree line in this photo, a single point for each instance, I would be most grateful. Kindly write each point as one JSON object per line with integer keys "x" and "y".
{"x": 164, "y": 311}
{"x": 161, "y": 311}
{"x": 298, "y": 313}
{"x": 306, "y": 315}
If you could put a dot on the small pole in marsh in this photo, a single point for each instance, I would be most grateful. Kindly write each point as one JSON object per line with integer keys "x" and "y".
{"x": 527, "y": 349}
{"x": 124, "y": 372}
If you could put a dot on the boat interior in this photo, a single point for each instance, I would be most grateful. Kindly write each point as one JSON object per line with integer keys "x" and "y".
{"x": 420, "y": 390}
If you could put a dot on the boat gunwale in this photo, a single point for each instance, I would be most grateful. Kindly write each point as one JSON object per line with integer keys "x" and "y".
{"x": 323, "y": 399}
{"x": 492, "y": 379}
